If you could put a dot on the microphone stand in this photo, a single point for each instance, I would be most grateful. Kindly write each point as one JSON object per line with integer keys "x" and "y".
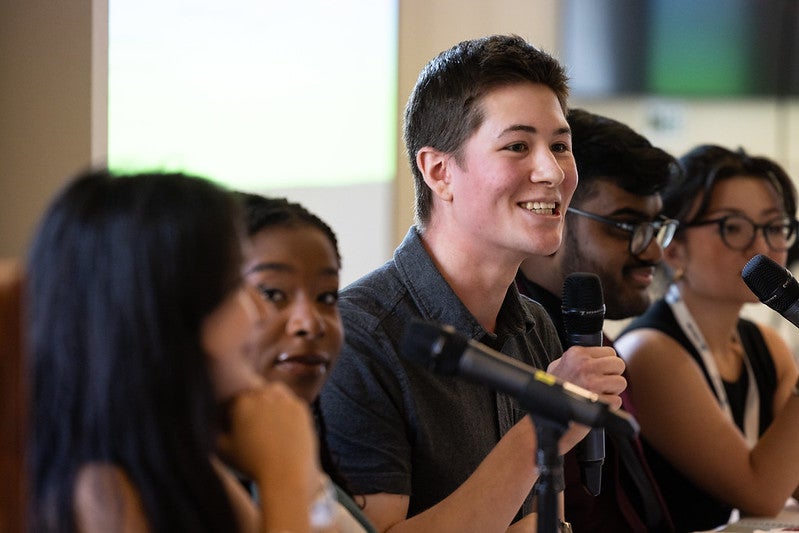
{"x": 550, "y": 470}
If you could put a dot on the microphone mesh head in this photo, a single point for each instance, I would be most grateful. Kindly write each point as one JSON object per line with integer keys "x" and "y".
{"x": 583, "y": 304}
{"x": 770, "y": 282}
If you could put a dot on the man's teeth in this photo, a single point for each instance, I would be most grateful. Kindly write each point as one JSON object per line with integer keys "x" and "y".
{"x": 541, "y": 208}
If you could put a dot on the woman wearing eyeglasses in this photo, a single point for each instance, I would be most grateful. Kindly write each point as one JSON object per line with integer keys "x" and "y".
{"x": 715, "y": 394}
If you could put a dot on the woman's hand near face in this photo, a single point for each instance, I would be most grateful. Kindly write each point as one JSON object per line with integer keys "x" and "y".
{"x": 271, "y": 439}
{"x": 270, "y": 432}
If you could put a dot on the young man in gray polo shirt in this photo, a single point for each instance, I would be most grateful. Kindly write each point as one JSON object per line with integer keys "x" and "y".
{"x": 490, "y": 150}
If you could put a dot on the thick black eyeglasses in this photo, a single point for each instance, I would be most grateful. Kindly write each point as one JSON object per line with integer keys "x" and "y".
{"x": 738, "y": 232}
{"x": 642, "y": 233}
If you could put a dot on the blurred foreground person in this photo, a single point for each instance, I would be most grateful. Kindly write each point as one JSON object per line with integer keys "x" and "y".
{"x": 141, "y": 334}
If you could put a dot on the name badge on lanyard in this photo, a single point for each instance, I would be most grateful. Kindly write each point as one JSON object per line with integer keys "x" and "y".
{"x": 691, "y": 330}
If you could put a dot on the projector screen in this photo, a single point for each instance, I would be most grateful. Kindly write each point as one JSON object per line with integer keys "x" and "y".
{"x": 255, "y": 94}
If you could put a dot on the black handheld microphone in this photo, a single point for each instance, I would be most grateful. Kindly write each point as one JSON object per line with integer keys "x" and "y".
{"x": 444, "y": 351}
{"x": 773, "y": 285}
{"x": 583, "y": 309}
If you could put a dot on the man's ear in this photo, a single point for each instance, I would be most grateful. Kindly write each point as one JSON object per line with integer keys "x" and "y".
{"x": 434, "y": 166}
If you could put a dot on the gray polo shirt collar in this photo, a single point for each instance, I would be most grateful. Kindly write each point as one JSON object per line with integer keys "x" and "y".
{"x": 438, "y": 302}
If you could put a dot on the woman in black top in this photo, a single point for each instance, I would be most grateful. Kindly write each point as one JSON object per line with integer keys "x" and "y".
{"x": 715, "y": 394}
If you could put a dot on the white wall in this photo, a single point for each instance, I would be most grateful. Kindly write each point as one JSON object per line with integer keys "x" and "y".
{"x": 360, "y": 215}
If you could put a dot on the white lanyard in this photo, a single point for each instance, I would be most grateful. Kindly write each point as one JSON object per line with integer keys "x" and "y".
{"x": 691, "y": 330}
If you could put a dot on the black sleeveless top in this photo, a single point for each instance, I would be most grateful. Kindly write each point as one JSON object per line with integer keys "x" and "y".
{"x": 691, "y": 508}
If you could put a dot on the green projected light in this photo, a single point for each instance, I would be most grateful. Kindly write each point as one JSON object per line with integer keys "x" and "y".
{"x": 702, "y": 48}
{"x": 254, "y": 93}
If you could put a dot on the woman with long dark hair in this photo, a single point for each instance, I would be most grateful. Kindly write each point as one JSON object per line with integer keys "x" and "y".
{"x": 141, "y": 337}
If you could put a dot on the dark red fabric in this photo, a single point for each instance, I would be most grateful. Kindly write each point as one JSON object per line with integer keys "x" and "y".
{"x": 618, "y": 506}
